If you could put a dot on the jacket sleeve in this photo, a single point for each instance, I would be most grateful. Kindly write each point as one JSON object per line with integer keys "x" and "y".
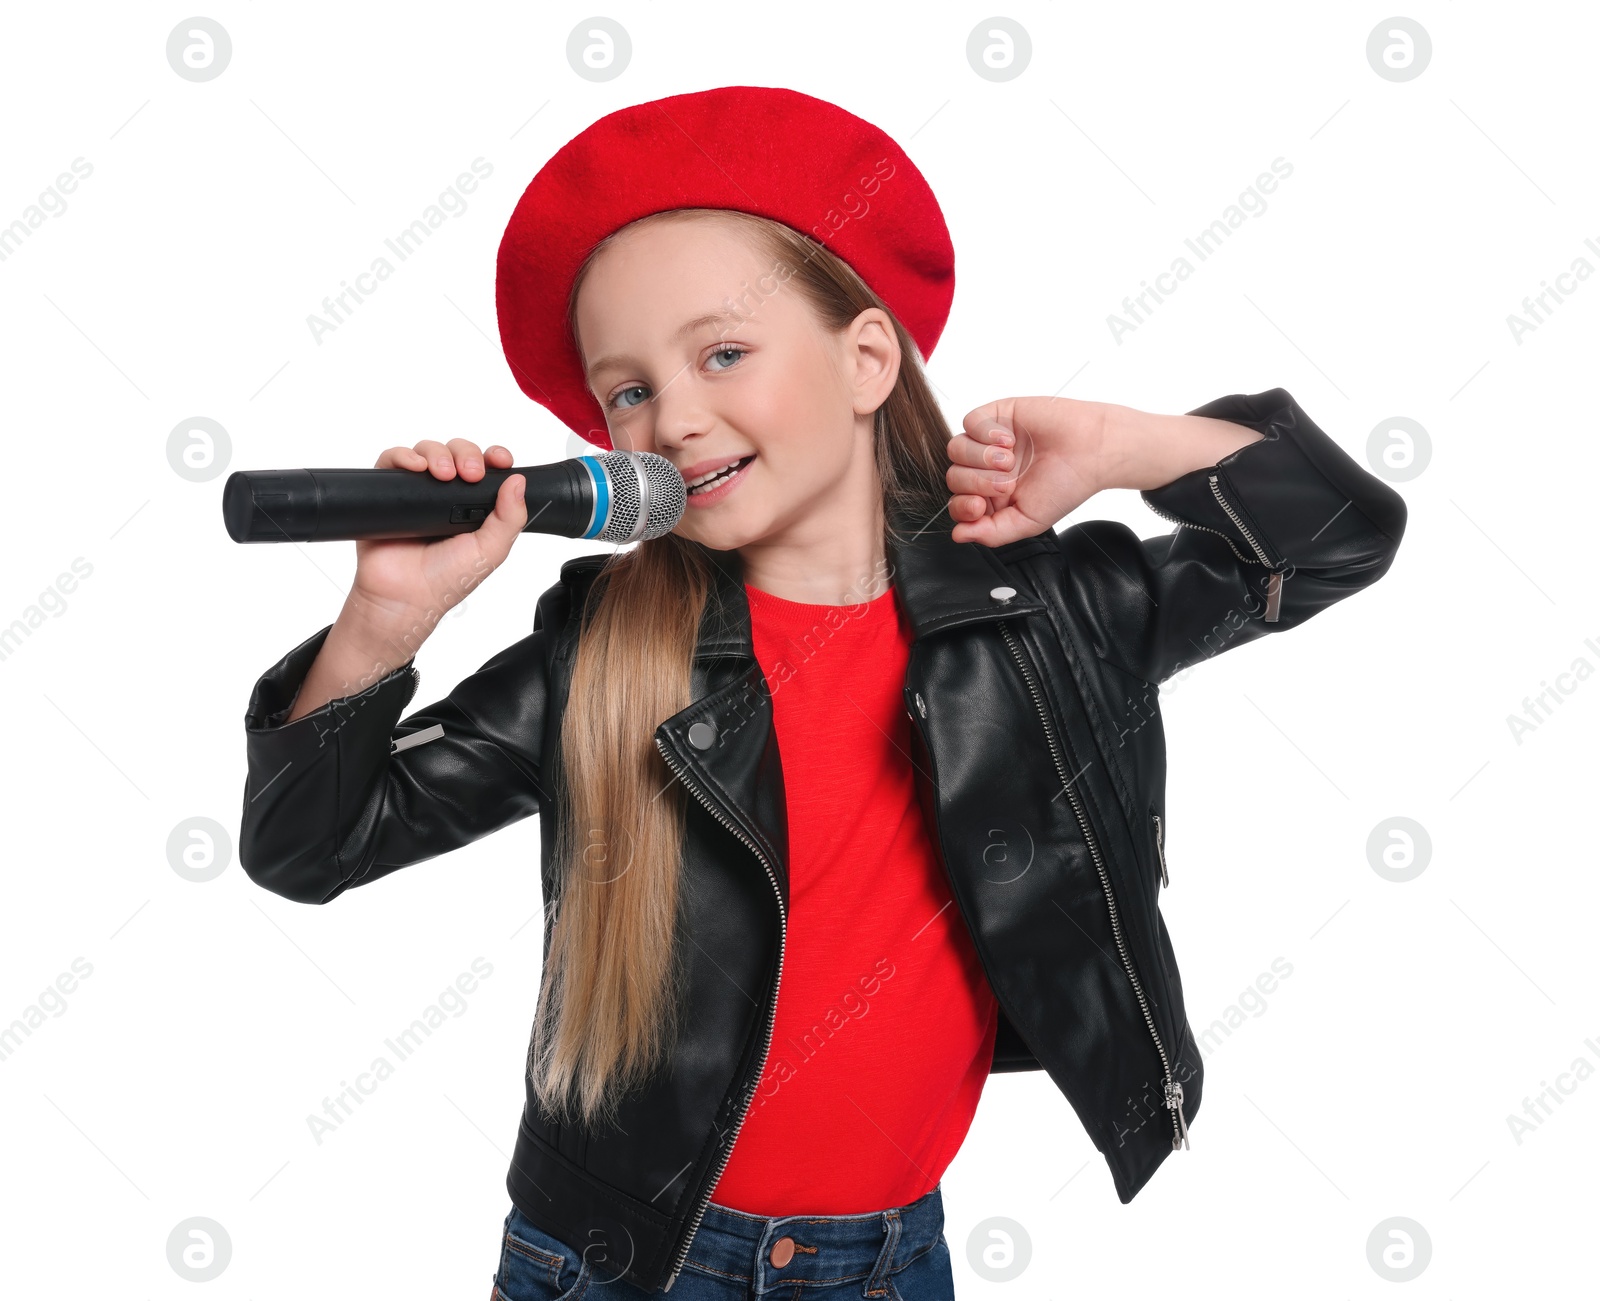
{"x": 328, "y": 806}
{"x": 1266, "y": 537}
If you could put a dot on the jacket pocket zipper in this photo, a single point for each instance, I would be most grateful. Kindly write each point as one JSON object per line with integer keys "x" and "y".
{"x": 1171, "y": 1087}
{"x": 1161, "y": 851}
{"x": 704, "y": 1197}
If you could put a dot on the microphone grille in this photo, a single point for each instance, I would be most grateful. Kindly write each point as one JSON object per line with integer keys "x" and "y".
{"x": 648, "y": 496}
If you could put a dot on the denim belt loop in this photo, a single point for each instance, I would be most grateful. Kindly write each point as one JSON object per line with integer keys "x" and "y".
{"x": 878, "y": 1281}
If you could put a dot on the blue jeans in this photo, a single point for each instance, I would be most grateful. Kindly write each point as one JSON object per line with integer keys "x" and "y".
{"x": 894, "y": 1255}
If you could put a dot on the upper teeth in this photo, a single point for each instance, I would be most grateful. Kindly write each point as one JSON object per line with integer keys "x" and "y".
{"x": 711, "y": 474}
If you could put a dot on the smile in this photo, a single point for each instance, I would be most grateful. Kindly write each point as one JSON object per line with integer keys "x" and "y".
{"x": 717, "y": 484}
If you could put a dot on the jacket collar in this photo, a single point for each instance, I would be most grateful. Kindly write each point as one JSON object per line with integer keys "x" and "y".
{"x": 724, "y": 739}
{"x": 942, "y": 584}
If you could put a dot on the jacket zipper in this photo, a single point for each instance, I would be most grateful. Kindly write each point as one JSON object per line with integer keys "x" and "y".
{"x": 1171, "y": 1087}
{"x": 1274, "y": 577}
{"x": 1234, "y": 516}
{"x": 744, "y": 1107}
{"x": 1204, "y": 528}
{"x": 398, "y": 744}
{"x": 1161, "y": 851}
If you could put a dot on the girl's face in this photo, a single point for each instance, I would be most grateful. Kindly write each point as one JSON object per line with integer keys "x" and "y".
{"x": 697, "y": 349}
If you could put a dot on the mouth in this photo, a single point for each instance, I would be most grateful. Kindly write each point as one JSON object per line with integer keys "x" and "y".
{"x": 719, "y": 485}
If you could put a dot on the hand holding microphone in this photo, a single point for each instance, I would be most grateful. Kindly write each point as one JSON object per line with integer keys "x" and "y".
{"x": 403, "y": 586}
{"x": 409, "y": 577}
{"x": 430, "y": 523}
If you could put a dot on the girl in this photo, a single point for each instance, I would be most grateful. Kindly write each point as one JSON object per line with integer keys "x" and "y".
{"x": 809, "y": 878}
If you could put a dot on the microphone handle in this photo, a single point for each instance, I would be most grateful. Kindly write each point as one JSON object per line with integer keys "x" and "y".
{"x": 344, "y": 505}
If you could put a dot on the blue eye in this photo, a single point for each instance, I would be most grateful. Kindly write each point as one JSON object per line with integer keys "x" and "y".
{"x": 617, "y": 401}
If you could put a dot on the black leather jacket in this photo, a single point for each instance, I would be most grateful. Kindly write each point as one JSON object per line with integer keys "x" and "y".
{"x": 1040, "y": 760}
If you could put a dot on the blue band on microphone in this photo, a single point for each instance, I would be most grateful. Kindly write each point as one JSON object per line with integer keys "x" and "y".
{"x": 602, "y": 496}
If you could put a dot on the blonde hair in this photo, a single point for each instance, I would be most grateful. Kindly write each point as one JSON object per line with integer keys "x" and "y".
{"x": 612, "y": 989}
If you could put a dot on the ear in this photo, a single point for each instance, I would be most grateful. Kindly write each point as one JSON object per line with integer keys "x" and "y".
{"x": 872, "y": 359}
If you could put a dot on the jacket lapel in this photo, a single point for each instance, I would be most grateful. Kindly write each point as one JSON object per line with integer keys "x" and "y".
{"x": 947, "y": 584}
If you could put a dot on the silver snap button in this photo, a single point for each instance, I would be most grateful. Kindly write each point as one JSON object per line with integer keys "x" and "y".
{"x": 1002, "y": 593}
{"x": 921, "y": 708}
{"x": 701, "y": 735}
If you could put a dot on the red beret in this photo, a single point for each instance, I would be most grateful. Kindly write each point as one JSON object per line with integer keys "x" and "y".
{"x": 765, "y": 150}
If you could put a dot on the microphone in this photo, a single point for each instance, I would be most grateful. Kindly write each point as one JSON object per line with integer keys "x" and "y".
{"x": 614, "y": 496}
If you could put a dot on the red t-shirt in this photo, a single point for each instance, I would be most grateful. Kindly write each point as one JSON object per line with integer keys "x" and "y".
{"x": 885, "y": 1023}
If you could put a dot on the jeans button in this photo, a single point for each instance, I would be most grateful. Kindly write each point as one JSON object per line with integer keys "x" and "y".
{"x": 782, "y": 1251}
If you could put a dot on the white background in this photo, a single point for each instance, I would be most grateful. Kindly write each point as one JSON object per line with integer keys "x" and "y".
{"x": 1379, "y": 1077}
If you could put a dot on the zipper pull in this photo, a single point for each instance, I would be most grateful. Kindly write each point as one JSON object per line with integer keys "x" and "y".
{"x": 1161, "y": 853}
{"x": 1274, "y": 595}
{"x": 1175, "y": 1101}
{"x": 397, "y": 744}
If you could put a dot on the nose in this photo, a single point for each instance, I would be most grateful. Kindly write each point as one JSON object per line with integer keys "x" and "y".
{"x": 679, "y": 418}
